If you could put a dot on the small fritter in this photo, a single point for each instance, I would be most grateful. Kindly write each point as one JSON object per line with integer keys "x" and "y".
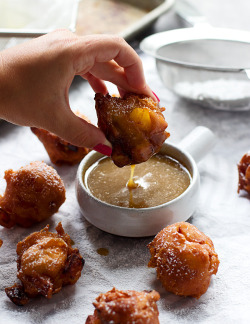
{"x": 134, "y": 125}
{"x": 60, "y": 151}
{"x": 184, "y": 259}
{"x": 46, "y": 262}
{"x": 244, "y": 173}
{"x": 1, "y": 243}
{"x": 33, "y": 193}
{"x": 125, "y": 307}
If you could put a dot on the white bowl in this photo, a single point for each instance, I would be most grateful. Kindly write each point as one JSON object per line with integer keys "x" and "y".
{"x": 140, "y": 222}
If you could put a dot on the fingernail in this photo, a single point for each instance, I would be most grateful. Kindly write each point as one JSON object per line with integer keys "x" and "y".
{"x": 103, "y": 148}
{"x": 156, "y": 96}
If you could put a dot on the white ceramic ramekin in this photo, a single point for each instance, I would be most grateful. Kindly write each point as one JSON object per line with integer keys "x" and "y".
{"x": 140, "y": 222}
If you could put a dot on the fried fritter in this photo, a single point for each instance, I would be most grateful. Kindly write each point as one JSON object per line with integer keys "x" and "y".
{"x": 184, "y": 259}
{"x": 33, "y": 193}
{"x": 60, "y": 151}
{"x": 134, "y": 125}
{"x": 46, "y": 262}
{"x": 1, "y": 243}
{"x": 244, "y": 173}
{"x": 125, "y": 307}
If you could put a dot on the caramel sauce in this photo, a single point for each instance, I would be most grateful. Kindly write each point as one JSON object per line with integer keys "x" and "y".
{"x": 155, "y": 182}
{"x": 103, "y": 251}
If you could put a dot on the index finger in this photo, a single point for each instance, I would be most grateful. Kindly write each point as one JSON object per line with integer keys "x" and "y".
{"x": 104, "y": 48}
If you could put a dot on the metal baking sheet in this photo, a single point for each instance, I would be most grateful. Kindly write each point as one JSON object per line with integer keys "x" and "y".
{"x": 124, "y": 17}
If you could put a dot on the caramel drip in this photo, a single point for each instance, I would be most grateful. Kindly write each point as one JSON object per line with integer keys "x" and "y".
{"x": 131, "y": 184}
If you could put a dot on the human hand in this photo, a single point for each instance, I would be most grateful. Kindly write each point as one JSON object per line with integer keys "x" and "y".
{"x": 35, "y": 78}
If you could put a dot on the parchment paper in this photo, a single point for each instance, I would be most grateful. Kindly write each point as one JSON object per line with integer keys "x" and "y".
{"x": 222, "y": 214}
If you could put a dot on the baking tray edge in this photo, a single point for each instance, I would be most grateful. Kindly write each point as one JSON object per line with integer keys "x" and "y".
{"x": 145, "y": 21}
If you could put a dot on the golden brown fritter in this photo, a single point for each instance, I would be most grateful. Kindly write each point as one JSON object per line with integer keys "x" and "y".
{"x": 184, "y": 259}
{"x": 60, "y": 151}
{"x": 125, "y": 307}
{"x": 33, "y": 193}
{"x": 1, "y": 243}
{"x": 134, "y": 125}
{"x": 46, "y": 262}
{"x": 244, "y": 173}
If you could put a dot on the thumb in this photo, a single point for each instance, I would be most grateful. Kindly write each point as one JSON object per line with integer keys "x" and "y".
{"x": 79, "y": 132}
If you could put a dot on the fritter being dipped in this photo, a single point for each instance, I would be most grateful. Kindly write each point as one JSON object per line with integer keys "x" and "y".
{"x": 244, "y": 173}
{"x": 125, "y": 307}
{"x": 134, "y": 125}
{"x": 60, "y": 151}
{"x": 46, "y": 262}
{"x": 184, "y": 259}
{"x": 33, "y": 193}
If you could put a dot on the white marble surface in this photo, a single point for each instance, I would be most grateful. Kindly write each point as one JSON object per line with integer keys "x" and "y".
{"x": 222, "y": 214}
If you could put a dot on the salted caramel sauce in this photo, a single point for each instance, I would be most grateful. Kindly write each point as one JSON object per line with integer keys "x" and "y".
{"x": 158, "y": 180}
